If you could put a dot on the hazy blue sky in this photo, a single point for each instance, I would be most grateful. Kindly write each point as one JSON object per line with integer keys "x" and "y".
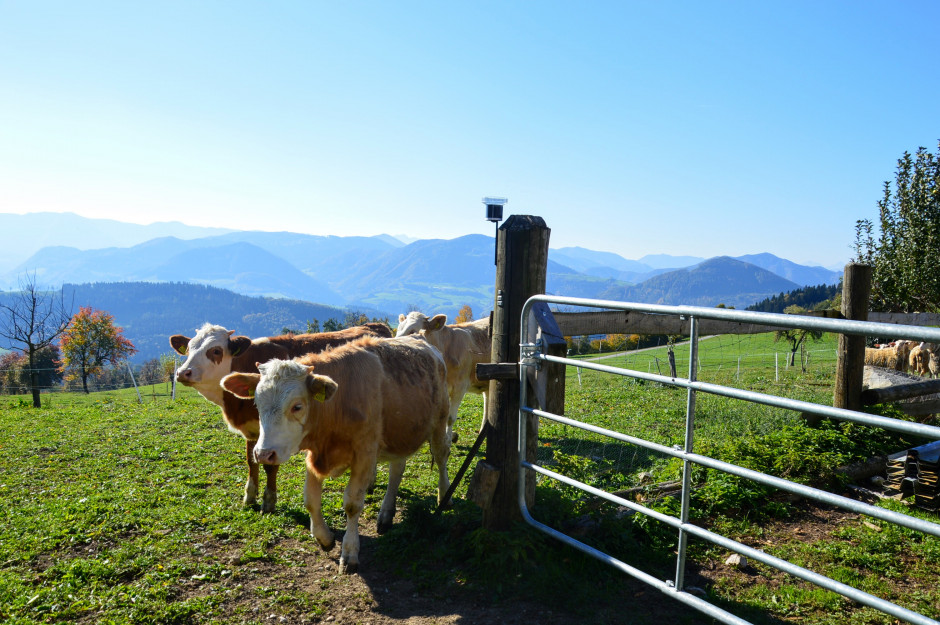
{"x": 686, "y": 128}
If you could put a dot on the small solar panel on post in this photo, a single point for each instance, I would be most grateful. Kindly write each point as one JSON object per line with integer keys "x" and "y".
{"x": 494, "y": 213}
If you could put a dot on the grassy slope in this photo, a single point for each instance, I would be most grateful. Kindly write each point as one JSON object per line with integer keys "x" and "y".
{"x": 119, "y": 512}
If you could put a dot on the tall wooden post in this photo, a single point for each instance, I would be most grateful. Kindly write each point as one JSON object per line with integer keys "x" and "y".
{"x": 522, "y": 261}
{"x": 850, "y": 359}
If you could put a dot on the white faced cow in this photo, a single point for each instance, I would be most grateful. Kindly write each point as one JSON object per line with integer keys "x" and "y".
{"x": 349, "y": 407}
{"x": 214, "y": 353}
{"x": 463, "y": 345}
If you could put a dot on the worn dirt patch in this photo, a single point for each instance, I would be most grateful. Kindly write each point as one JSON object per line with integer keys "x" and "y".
{"x": 301, "y": 585}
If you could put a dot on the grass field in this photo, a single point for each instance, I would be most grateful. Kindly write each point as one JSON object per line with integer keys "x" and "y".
{"x": 119, "y": 512}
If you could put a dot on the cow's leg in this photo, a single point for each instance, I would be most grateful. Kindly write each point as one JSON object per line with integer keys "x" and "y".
{"x": 396, "y": 469}
{"x": 440, "y": 452}
{"x": 354, "y": 499}
{"x": 451, "y": 420}
{"x": 251, "y": 486}
{"x": 459, "y": 391}
{"x": 375, "y": 478}
{"x": 269, "y": 499}
{"x": 313, "y": 493}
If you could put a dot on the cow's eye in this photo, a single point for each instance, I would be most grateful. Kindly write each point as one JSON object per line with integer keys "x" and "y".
{"x": 296, "y": 408}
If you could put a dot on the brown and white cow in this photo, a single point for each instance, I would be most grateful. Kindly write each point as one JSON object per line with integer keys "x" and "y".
{"x": 463, "y": 345}
{"x": 349, "y": 407}
{"x": 214, "y": 353}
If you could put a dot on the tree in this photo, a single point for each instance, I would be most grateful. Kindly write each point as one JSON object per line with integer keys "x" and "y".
{"x": 168, "y": 366}
{"x": 464, "y": 315}
{"x": 33, "y": 319}
{"x": 91, "y": 341}
{"x": 905, "y": 254}
{"x": 796, "y": 336}
{"x": 15, "y": 372}
{"x": 332, "y": 325}
{"x": 355, "y": 318}
{"x": 313, "y": 327}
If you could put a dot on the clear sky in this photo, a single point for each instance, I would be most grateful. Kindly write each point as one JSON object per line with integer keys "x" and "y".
{"x": 686, "y": 128}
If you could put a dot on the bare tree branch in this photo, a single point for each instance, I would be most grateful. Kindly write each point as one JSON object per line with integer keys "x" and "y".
{"x": 32, "y": 319}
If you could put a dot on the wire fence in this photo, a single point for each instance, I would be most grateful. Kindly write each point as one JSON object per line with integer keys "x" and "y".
{"x": 753, "y": 362}
{"x": 15, "y": 380}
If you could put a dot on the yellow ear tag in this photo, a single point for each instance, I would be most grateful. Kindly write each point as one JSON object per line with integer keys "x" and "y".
{"x": 321, "y": 395}
{"x": 251, "y": 392}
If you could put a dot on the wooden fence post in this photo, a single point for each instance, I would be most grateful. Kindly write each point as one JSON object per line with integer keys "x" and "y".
{"x": 850, "y": 358}
{"x": 522, "y": 261}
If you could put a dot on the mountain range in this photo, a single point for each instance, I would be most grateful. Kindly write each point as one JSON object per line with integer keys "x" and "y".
{"x": 380, "y": 273}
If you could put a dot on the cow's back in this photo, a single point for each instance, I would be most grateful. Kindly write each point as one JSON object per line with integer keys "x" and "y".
{"x": 389, "y": 389}
{"x": 241, "y": 415}
{"x": 463, "y": 345}
{"x": 301, "y": 344}
{"x": 414, "y": 392}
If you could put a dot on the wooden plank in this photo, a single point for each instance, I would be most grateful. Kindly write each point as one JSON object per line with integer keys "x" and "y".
{"x": 850, "y": 355}
{"x": 901, "y": 391}
{"x": 497, "y": 370}
{"x": 908, "y": 319}
{"x": 522, "y": 255}
{"x": 920, "y": 408}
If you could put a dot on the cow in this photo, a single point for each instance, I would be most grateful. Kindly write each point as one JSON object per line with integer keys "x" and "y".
{"x": 349, "y": 407}
{"x": 463, "y": 345}
{"x": 214, "y": 352}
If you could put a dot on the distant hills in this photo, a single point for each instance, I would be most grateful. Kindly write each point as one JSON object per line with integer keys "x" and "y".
{"x": 150, "y": 313}
{"x": 381, "y": 274}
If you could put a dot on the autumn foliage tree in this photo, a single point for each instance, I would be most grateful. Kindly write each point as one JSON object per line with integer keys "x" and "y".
{"x": 90, "y": 342}
{"x": 464, "y": 315}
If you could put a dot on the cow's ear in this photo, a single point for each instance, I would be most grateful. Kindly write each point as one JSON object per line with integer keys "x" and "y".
{"x": 437, "y": 322}
{"x": 401, "y": 318}
{"x": 241, "y": 384}
{"x": 180, "y": 344}
{"x": 320, "y": 387}
{"x": 238, "y": 344}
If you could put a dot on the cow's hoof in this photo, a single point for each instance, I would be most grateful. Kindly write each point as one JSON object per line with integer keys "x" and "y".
{"x": 328, "y": 547}
{"x": 347, "y": 568}
{"x": 251, "y": 494}
{"x": 454, "y": 437}
{"x": 382, "y": 526}
{"x": 268, "y": 503}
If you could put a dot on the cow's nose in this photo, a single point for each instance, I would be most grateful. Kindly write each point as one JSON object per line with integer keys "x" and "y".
{"x": 184, "y": 374}
{"x": 266, "y": 456}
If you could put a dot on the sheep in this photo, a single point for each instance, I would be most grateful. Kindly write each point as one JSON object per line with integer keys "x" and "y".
{"x": 904, "y": 350}
{"x": 888, "y": 357}
{"x": 919, "y": 360}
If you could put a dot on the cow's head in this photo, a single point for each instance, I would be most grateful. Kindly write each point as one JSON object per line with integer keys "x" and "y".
{"x": 284, "y": 393}
{"x": 208, "y": 356}
{"x": 415, "y": 322}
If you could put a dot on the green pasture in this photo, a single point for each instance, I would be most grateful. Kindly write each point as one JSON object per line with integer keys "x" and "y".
{"x": 116, "y": 511}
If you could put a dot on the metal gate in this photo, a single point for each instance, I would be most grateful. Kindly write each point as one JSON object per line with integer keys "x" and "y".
{"x": 533, "y": 354}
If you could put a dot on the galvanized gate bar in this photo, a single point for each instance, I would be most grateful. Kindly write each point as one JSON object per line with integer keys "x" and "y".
{"x": 905, "y": 427}
{"x": 531, "y": 356}
{"x": 755, "y": 554}
{"x": 805, "y": 491}
{"x": 686, "y": 465}
{"x": 840, "y": 326}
